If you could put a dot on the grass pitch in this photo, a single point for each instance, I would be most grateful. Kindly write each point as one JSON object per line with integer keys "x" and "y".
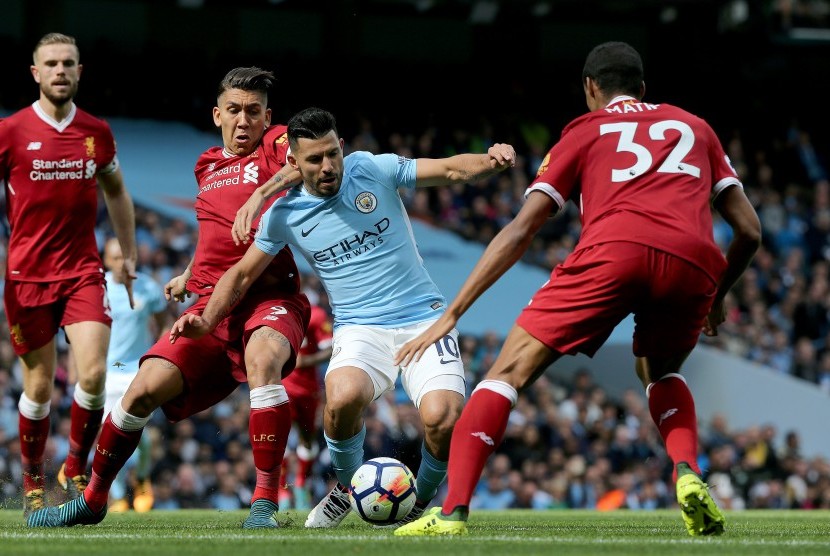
{"x": 205, "y": 532}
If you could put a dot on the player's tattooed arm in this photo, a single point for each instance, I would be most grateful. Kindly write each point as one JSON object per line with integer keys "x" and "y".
{"x": 236, "y": 297}
{"x": 226, "y": 309}
{"x": 234, "y": 284}
{"x": 286, "y": 178}
{"x": 227, "y": 293}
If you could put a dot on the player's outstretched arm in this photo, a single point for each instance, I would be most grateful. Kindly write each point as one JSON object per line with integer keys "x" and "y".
{"x": 122, "y": 213}
{"x": 286, "y": 178}
{"x": 228, "y": 292}
{"x": 463, "y": 168}
{"x": 738, "y": 212}
{"x": 501, "y": 254}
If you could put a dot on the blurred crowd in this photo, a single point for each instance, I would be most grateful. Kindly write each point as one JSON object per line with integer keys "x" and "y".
{"x": 568, "y": 445}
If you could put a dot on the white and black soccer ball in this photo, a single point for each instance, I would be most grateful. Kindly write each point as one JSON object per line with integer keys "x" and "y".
{"x": 382, "y": 491}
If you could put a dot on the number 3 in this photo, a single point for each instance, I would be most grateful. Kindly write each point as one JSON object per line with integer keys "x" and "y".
{"x": 674, "y": 162}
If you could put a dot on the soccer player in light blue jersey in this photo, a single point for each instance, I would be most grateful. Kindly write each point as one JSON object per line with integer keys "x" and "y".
{"x": 347, "y": 219}
{"x": 134, "y": 331}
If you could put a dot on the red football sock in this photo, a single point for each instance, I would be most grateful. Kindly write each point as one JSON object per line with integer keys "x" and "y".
{"x": 114, "y": 449}
{"x": 268, "y": 429}
{"x": 672, "y": 408}
{"x": 85, "y": 426}
{"x": 33, "y": 435}
{"x": 304, "y": 467}
{"x": 477, "y": 434}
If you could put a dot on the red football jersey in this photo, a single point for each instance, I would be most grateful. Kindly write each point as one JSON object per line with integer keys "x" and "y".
{"x": 644, "y": 173}
{"x": 317, "y": 338}
{"x": 49, "y": 169}
{"x": 225, "y": 182}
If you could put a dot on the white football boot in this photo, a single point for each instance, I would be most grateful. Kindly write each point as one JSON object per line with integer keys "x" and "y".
{"x": 331, "y": 510}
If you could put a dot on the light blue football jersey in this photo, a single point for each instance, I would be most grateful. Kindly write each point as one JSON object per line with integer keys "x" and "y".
{"x": 360, "y": 243}
{"x": 130, "y": 337}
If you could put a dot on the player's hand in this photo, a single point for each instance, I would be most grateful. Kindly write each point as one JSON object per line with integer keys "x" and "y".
{"x": 176, "y": 288}
{"x": 241, "y": 229}
{"x": 502, "y": 156}
{"x": 716, "y": 317}
{"x": 127, "y": 276}
{"x": 189, "y": 325}
{"x": 413, "y": 349}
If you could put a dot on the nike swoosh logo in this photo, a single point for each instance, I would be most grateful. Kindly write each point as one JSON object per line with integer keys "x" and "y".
{"x": 305, "y": 233}
{"x": 448, "y": 361}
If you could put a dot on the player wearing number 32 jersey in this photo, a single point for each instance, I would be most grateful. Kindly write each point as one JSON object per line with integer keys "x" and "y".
{"x": 645, "y": 176}
{"x": 644, "y": 173}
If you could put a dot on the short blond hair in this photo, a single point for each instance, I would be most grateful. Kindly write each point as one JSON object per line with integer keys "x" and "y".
{"x": 54, "y": 38}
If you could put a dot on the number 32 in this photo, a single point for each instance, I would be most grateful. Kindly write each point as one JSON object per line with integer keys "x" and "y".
{"x": 674, "y": 162}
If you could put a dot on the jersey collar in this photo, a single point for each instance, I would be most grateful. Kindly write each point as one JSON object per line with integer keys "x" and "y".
{"x": 621, "y": 98}
{"x": 60, "y": 126}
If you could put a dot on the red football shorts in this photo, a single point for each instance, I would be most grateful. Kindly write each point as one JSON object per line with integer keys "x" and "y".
{"x": 303, "y": 400}
{"x": 213, "y": 366}
{"x": 598, "y": 286}
{"x": 36, "y": 310}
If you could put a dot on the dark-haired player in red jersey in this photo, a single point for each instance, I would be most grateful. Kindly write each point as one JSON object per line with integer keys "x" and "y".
{"x": 257, "y": 341}
{"x": 644, "y": 176}
{"x": 53, "y": 157}
{"x": 303, "y": 387}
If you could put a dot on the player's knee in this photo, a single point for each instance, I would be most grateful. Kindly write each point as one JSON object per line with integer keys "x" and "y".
{"x": 265, "y": 367}
{"x": 93, "y": 380}
{"x": 139, "y": 400}
{"x": 344, "y": 403}
{"x": 439, "y": 418}
{"x": 144, "y": 396}
{"x": 39, "y": 391}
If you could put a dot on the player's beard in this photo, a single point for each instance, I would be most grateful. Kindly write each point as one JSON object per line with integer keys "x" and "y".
{"x": 60, "y": 99}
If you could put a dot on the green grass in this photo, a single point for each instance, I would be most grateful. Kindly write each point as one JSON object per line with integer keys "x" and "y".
{"x": 554, "y": 533}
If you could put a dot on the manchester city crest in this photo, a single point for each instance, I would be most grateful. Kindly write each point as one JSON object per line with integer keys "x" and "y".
{"x": 366, "y": 202}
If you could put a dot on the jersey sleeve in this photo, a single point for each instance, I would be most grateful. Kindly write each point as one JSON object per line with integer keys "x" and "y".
{"x": 723, "y": 174}
{"x": 107, "y": 160}
{"x": 275, "y": 144}
{"x": 559, "y": 171}
{"x": 393, "y": 171}
{"x": 269, "y": 232}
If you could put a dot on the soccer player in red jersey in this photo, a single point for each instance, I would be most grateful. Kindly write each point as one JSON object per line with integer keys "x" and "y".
{"x": 53, "y": 157}
{"x": 303, "y": 387}
{"x": 644, "y": 176}
{"x": 257, "y": 341}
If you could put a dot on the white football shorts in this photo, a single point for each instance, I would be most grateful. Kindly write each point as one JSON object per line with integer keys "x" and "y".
{"x": 116, "y": 386}
{"x": 373, "y": 350}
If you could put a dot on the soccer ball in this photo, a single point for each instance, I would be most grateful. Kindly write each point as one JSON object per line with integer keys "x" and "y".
{"x": 382, "y": 491}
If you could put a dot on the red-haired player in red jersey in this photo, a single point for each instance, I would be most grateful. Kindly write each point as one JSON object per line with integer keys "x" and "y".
{"x": 53, "y": 157}
{"x": 645, "y": 176}
{"x": 303, "y": 387}
{"x": 257, "y": 340}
